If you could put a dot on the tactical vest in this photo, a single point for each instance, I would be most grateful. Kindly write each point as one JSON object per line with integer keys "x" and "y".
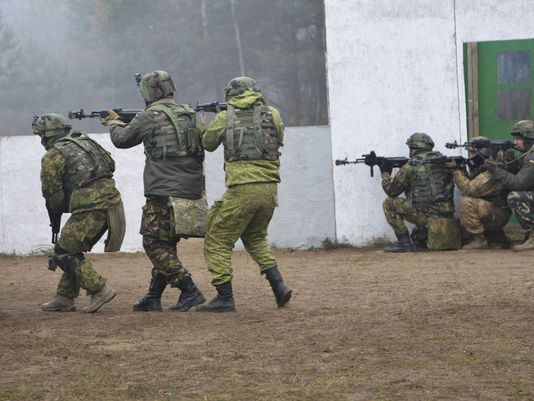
{"x": 251, "y": 134}
{"x": 430, "y": 182}
{"x": 175, "y": 133}
{"x": 85, "y": 160}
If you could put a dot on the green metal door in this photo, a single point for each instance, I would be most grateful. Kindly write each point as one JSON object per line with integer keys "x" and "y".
{"x": 505, "y": 85}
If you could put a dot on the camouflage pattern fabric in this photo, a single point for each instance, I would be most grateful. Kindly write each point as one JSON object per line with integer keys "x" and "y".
{"x": 522, "y": 204}
{"x": 244, "y": 212}
{"x": 479, "y": 215}
{"x": 190, "y": 216}
{"x": 79, "y": 234}
{"x": 159, "y": 240}
{"x": 397, "y": 210}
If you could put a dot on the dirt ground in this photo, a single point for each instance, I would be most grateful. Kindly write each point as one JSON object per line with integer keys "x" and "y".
{"x": 363, "y": 325}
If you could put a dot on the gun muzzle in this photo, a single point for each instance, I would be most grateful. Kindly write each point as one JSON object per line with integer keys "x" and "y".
{"x": 76, "y": 115}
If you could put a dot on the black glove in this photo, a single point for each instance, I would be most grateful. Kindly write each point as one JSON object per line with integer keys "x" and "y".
{"x": 385, "y": 166}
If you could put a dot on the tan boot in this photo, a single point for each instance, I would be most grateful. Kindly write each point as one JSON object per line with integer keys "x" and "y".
{"x": 59, "y": 304}
{"x": 528, "y": 245}
{"x": 99, "y": 298}
{"x": 479, "y": 242}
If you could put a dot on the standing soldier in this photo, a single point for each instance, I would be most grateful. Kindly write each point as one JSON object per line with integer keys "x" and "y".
{"x": 482, "y": 205}
{"x": 251, "y": 132}
{"x": 76, "y": 177}
{"x": 429, "y": 193}
{"x": 173, "y": 170}
{"x": 521, "y": 185}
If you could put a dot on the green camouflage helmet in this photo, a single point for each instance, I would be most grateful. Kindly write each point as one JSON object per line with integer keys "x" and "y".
{"x": 49, "y": 125}
{"x": 239, "y": 85}
{"x": 524, "y": 129}
{"x": 156, "y": 85}
{"x": 484, "y": 152}
{"x": 420, "y": 140}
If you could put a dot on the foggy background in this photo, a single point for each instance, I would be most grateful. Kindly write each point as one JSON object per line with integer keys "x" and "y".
{"x": 62, "y": 55}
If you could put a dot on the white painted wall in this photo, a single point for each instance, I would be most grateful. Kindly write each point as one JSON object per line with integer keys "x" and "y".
{"x": 395, "y": 67}
{"x": 304, "y": 219}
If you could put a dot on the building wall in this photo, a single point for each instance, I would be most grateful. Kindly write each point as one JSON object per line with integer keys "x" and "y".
{"x": 395, "y": 68}
{"x": 304, "y": 218}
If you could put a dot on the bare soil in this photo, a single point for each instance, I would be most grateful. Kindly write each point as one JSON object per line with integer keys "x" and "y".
{"x": 363, "y": 325}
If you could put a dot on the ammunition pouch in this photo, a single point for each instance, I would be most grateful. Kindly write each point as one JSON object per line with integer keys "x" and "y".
{"x": 444, "y": 233}
{"x": 190, "y": 216}
{"x": 116, "y": 228}
{"x": 65, "y": 262}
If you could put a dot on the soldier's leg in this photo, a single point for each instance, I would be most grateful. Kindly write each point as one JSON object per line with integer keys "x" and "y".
{"x": 473, "y": 212}
{"x": 522, "y": 204}
{"x": 255, "y": 239}
{"x": 396, "y": 211}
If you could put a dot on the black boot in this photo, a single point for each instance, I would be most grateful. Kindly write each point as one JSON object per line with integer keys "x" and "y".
{"x": 403, "y": 244}
{"x": 152, "y": 300}
{"x": 282, "y": 292}
{"x": 498, "y": 239}
{"x": 189, "y": 297}
{"x": 223, "y": 302}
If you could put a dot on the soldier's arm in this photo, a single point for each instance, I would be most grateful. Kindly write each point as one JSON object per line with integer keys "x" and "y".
{"x": 134, "y": 133}
{"x": 52, "y": 168}
{"x": 214, "y": 134}
{"x": 480, "y": 186}
{"x": 279, "y": 125}
{"x": 396, "y": 185}
{"x": 522, "y": 181}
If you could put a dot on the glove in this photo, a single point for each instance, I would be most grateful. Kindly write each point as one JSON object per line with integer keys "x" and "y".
{"x": 490, "y": 165}
{"x": 451, "y": 164}
{"x": 112, "y": 118}
{"x": 385, "y": 166}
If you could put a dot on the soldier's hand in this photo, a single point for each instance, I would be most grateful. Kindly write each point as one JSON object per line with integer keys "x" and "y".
{"x": 451, "y": 164}
{"x": 490, "y": 165}
{"x": 112, "y": 118}
{"x": 385, "y": 166}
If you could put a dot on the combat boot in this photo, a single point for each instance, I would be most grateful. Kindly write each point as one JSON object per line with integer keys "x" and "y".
{"x": 152, "y": 300}
{"x": 99, "y": 298}
{"x": 528, "y": 245}
{"x": 189, "y": 297}
{"x": 282, "y": 292}
{"x": 223, "y": 302}
{"x": 479, "y": 242}
{"x": 60, "y": 303}
{"x": 403, "y": 244}
{"x": 498, "y": 240}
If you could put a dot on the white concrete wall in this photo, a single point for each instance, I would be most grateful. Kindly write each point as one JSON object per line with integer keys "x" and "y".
{"x": 304, "y": 219}
{"x": 395, "y": 67}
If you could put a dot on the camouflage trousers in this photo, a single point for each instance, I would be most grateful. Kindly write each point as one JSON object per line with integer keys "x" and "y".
{"x": 479, "y": 215}
{"x": 159, "y": 240}
{"x": 522, "y": 204}
{"x": 79, "y": 234}
{"x": 245, "y": 212}
{"x": 399, "y": 209}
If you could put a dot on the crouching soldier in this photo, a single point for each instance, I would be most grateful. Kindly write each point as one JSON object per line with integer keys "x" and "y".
{"x": 76, "y": 178}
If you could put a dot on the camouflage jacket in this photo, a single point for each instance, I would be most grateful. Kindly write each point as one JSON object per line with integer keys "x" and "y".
{"x": 244, "y": 171}
{"x": 524, "y": 179}
{"x": 402, "y": 182}
{"x": 180, "y": 177}
{"x": 482, "y": 186}
{"x": 99, "y": 194}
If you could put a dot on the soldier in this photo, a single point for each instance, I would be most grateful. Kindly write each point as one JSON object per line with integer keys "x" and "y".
{"x": 429, "y": 192}
{"x": 521, "y": 185}
{"x": 251, "y": 133}
{"x": 482, "y": 205}
{"x": 76, "y": 177}
{"x": 173, "y": 170}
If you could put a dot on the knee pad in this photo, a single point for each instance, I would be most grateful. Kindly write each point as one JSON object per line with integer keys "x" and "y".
{"x": 66, "y": 262}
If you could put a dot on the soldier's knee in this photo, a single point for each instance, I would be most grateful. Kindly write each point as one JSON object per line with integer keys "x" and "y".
{"x": 66, "y": 262}
{"x": 387, "y": 204}
{"x": 513, "y": 199}
{"x": 465, "y": 204}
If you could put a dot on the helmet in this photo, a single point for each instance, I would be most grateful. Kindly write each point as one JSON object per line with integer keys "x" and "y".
{"x": 49, "y": 125}
{"x": 484, "y": 152}
{"x": 523, "y": 129}
{"x": 420, "y": 140}
{"x": 156, "y": 85}
{"x": 239, "y": 85}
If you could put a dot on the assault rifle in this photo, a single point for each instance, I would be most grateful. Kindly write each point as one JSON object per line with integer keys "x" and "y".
{"x": 372, "y": 160}
{"x": 55, "y": 222}
{"x": 125, "y": 115}
{"x": 213, "y": 107}
{"x": 482, "y": 144}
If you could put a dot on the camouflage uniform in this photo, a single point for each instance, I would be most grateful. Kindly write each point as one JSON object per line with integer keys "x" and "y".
{"x": 173, "y": 169}
{"x": 76, "y": 178}
{"x": 483, "y": 202}
{"x": 251, "y": 133}
{"x": 397, "y": 209}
